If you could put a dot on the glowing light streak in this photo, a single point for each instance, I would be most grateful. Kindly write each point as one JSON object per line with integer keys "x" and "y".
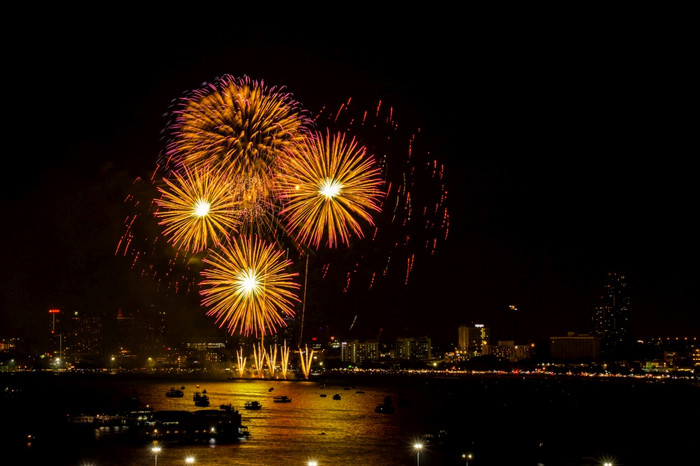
{"x": 306, "y": 357}
{"x": 241, "y": 362}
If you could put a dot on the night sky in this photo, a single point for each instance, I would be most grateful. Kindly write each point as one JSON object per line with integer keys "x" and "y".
{"x": 567, "y": 148}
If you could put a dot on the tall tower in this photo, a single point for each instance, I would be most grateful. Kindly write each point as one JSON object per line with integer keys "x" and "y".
{"x": 473, "y": 340}
{"x": 611, "y": 316}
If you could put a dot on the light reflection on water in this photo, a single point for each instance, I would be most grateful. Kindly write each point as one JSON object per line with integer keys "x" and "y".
{"x": 338, "y": 432}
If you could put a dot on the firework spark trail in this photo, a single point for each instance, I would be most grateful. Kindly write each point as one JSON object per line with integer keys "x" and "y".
{"x": 284, "y": 362}
{"x": 272, "y": 359}
{"x": 306, "y": 357}
{"x": 247, "y": 289}
{"x": 241, "y": 362}
{"x": 259, "y": 358}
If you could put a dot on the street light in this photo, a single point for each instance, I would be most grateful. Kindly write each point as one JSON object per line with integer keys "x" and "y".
{"x": 467, "y": 457}
{"x": 155, "y": 450}
{"x": 418, "y": 447}
{"x": 189, "y": 460}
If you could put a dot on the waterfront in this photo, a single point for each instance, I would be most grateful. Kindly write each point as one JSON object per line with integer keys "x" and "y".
{"x": 499, "y": 419}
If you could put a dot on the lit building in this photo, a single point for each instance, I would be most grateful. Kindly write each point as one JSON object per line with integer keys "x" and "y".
{"x": 355, "y": 351}
{"x": 413, "y": 348}
{"x": 611, "y": 316}
{"x": 575, "y": 347}
{"x": 472, "y": 341}
{"x": 84, "y": 338}
{"x": 509, "y": 351}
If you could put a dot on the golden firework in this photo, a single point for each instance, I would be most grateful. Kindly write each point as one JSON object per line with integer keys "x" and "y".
{"x": 329, "y": 187}
{"x": 196, "y": 209}
{"x": 247, "y": 289}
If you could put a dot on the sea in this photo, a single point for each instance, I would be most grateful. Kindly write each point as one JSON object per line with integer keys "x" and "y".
{"x": 472, "y": 420}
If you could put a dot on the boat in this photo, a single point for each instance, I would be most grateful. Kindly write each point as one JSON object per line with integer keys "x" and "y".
{"x": 323, "y": 395}
{"x": 174, "y": 393}
{"x": 281, "y": 399}
{"x": 384, "y": 409}
{"x": 252, "y": 405}
{"x": 200, "y": 426}
{"x": 336, "y": 396}
{"x": 200, "y": 399}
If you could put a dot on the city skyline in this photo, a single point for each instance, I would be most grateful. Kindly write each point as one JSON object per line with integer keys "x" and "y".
{"x": 560, "y": 169}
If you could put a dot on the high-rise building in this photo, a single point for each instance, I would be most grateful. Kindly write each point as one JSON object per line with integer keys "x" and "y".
{"x": 611, "y": 316}
{"x": 83, "y": 339}
{"x": 356, "y": 351}
{"x": 473, "y": 340}
{"x": 419, "y": 348}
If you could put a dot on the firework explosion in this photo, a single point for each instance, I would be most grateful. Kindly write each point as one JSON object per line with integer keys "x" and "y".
{"x": 273, "y": 183}
{"x": 242, "y": 127}
{"x": 413, "y": 221}
{"x": 247, "y": 289}
{"x": 197, "y": 209}
{"x": 329, "y": 190}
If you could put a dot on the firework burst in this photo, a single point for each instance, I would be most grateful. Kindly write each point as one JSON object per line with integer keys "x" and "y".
{"x": 197, "y": 210}
{"x": 413, "y": 222}
{"x": 242, "y": 127}
{"x": 330, "y": 189}
{"x": 237, "y": 123}
{"x": 247, "y": 289}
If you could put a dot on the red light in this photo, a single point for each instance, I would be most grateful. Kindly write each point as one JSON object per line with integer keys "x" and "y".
{"x": 54, "y": 311}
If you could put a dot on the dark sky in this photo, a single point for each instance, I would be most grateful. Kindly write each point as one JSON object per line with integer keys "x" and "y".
{"x": 568, "y": 152}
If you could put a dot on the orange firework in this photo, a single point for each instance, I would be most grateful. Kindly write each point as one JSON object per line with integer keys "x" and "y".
{"x": 237, "y": 124}
{"x": 329, "y": 189}
{"x": 247, "y": 289}
{"x": 240, "y": 126}
{"x": 197, "y": 209}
